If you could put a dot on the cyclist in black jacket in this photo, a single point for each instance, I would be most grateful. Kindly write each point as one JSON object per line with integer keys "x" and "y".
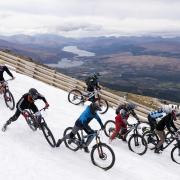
{"x": 3, "y": 69}
{"x": 92, "y": 82}
{"x": 26, "y": 102}
{"x": 166, "y": 121}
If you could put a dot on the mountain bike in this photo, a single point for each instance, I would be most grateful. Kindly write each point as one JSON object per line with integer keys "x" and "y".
{"x": 8, "y": 97}
{"x": 152, "y": 140}
{"x": 77, "y": 97}
{"x": 101, "y": 154}
{"x": 35, "y": 121}
{"x": 136, "y": 142}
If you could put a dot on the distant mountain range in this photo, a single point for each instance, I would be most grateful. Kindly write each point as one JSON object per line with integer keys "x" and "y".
{"x": 144, "y": 65}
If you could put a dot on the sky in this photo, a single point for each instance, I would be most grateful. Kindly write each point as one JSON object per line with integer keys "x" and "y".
{"x": 83, "y": 18}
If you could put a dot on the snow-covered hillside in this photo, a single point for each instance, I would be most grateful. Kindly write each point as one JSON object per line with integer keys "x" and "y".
{"x": 25, "y": 155}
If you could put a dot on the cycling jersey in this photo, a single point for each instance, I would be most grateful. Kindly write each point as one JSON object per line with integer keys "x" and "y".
{"x": 88, "y": 115}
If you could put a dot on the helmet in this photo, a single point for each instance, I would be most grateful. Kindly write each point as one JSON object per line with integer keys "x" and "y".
{"x": 95, "y": 107}
{"x": 95, "y": 75}
{"x": 130, "y": 106}
{"x": 34, "y": 93}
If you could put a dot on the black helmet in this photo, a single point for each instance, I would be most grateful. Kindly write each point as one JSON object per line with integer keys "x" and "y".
{"x": 95, "y": 107}
{"x": 95, "y": 75}
{"x": 130, "y": 106}
{"x": 34, "y": 93}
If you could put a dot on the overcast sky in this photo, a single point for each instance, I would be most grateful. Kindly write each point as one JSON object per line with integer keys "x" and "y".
{"x": 80, "y": 18}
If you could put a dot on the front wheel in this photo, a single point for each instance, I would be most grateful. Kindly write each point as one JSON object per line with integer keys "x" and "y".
{"x": 151, "y": 139}
{"x": 72, "y": 144}
{"x": 104, "y": 105}
{"x": 102, "y": 156}
{"x": 137, "y": 144}
{"x": 48, "y": 135}
{"x": 109, "y": 127}
{"x": 175, "y": 154}
{"x": 75, "y": 97}
{"x": 9, "y": 99}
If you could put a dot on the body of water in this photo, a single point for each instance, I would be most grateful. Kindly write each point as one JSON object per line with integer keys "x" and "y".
{"x": 67, "y": 63}
{"x": 79, "y": 52}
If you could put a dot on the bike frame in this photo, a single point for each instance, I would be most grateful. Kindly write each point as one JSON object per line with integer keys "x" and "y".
{"x": 91, "y": 94}
{"x": 133, "y": 128}
{"x": 83, "y": 137}
{"x": 33, "y": 114}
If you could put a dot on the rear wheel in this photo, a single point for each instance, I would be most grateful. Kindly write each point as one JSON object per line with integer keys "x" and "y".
{"x": 9, "y": 99}
{"x": 48, "y": 135}
{"x": 151, "y": 139}
{"x": 109, "y": 127}
{"x": 137, "y": 144}
{"x": 102, "y": 156}
{"x": 75, "y": 97}
{"x": 175, "y": 154}
{"x": 30, "y": 120}
{"x": 72, "y": 144}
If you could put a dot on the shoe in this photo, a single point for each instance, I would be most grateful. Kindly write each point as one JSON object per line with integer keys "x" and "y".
{"x": 58, "y": 143}
{"x": 123, "y": 139}
{"x": 86, "y": 149}
{"x": 4, "y": 128}
{"x": 157, "y": 150}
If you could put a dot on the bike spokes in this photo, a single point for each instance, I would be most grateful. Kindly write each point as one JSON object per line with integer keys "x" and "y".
{"x": 137, "y": 144}
{"x": 75, "y": 97}
{"x": 102, "y": 156}
{"x": 9, "y": 99}
{"x": 175, "y": 154}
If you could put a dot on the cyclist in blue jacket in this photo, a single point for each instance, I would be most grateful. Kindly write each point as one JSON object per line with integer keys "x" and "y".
{"x": 83, "y": 123}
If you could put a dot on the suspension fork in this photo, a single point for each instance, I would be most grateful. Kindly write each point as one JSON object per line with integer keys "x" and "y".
{"x": 99, "y": 147}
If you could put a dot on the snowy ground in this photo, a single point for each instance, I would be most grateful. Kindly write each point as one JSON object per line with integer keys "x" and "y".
{"x": 25, "y": 155}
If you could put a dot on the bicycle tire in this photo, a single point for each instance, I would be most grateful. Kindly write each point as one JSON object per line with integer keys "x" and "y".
{"x": 47, "y": 133}
{"x": 109, "y": 126}
{"x": 151, "y": 139}
{"x": 8, "y": 97}
{"x": 95, "y": 150}
{"x": 174, "y": 156}
{"x": 30, "y": 121}
{"x": 72, "y": 146}
{"x": 104, "y": 105}
{"x": 168, "y": 140}
{"x": 134, "y": 141}
{"x": 76, "y": 95}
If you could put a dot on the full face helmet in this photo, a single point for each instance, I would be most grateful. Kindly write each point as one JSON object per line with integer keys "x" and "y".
{"x": 130, "y": 106}
{"x": 34, "y": 93}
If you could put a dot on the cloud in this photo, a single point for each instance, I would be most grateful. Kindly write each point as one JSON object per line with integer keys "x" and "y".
{"x": 78, "y": 18}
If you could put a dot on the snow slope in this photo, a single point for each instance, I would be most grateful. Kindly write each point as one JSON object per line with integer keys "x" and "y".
{"x": 25, "y": 155}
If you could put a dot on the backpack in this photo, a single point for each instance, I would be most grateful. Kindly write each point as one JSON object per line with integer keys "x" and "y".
{"x": 89, "y": 81}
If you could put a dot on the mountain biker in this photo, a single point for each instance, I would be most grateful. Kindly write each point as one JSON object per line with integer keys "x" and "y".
{"x": 92, "y": 82}
{"x": 26, "y": 102}
{"x": 3, "y": 69}
{"x": 155, "y": 116}
{"x": 83, "y": 123}
{"x": 123, "y": 111}
{"x": 166, "y": 121}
